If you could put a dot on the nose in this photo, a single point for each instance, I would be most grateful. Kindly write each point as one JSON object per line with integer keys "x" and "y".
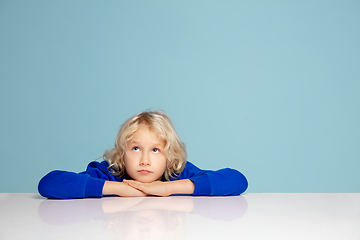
{"x": 145, "y": 160}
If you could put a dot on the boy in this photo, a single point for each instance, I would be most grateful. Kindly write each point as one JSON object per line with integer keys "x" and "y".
{"x": 148, "y": 159}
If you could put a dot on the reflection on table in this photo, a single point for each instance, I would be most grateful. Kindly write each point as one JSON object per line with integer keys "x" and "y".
{"x": 329, "y": 216}
{"x": 141, "y": 218}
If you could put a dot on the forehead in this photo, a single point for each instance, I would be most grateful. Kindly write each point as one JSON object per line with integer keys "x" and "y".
{"x": 146, "y": 135}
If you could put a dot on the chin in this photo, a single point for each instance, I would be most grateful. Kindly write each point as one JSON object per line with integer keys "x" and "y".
{"x": 145, "y": 180}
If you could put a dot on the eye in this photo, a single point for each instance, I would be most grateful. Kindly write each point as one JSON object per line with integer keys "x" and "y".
{"x": 135, "y": 149}
{"x": 155, "y": 150}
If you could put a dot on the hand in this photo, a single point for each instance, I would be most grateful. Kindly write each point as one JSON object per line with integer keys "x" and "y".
{"x": 157, "y": 188}
{"x": 121, "y": 189}
{"x": 130, "y": 191}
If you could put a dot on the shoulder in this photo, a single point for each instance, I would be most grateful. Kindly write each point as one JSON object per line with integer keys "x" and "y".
{"x": 100, "y": 170}
{"x": 190, "y": 170}
{"x": 189, "y": 165}
{"x": 104, "y": 165}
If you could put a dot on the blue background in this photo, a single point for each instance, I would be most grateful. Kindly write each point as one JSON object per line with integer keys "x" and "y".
{"x": 270, "y": 88}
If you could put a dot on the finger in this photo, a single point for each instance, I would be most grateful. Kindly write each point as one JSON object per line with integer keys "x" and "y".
{"x": 136, "y": 185}
{"x": 131, "y": 182}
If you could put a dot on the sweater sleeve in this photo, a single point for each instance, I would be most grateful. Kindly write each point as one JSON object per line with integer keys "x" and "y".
{"x": 67, "y": 185}
{"x": 223, "y": 182}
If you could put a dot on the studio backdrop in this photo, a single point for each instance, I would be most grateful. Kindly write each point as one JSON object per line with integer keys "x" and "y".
{"x": 271, "y": 88}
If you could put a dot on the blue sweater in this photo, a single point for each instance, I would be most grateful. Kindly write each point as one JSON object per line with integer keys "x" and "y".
{"x": 66, "y": 185}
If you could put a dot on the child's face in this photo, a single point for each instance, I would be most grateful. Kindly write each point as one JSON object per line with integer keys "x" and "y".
{"x": 145, "y": 160}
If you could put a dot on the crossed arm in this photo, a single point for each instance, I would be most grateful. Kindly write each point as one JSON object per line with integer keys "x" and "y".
{"x": 68, "y": 185}
{"x": 131, "y": 188}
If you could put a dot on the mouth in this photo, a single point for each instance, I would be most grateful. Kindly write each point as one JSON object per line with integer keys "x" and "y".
{"x": 144, "y": 171}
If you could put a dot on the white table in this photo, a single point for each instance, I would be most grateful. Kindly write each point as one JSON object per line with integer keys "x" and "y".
{"x": 250, "y": 216}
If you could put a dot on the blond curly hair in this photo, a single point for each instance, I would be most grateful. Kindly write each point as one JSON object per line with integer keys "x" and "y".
{"x": 159, "y": 122}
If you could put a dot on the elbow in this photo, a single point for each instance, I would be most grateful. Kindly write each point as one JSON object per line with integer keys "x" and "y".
{"x": 46, "y": 187}
{"x": 228, "y": 182}
{"x": 242, "y": 184}
{"x": 43, "y": 187}
{"x": 239, "y": 181}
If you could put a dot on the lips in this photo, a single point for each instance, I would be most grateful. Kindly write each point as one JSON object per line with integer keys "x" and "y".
{"x": 144, "y": 171}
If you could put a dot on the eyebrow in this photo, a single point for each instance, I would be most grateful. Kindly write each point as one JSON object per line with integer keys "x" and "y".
{"x": 155, "y": 145}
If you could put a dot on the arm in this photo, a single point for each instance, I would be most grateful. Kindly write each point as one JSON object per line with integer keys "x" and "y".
{"x": 164, "y": 189}
{"x": 121, "y": 189}
{"x": 223, "y": 182}
{"x": 68, "y": 185}
{"x": 194, "y": 181}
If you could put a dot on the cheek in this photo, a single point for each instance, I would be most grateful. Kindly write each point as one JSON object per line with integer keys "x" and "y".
{"x": 163, "y": 162}
{"x": 127, "y": 161}
{"x": 129, "y": 156}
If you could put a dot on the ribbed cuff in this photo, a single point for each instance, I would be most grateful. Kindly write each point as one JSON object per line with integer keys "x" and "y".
{"x": 94, "y": 187}
{"x": 202, "y": 185}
